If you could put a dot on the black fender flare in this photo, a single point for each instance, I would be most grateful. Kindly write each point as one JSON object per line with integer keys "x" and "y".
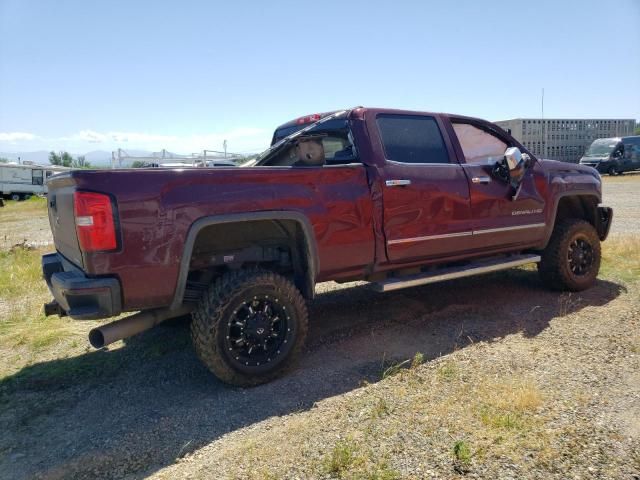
{"x": 554, "y": 211}
{"x": 311, "y": 253}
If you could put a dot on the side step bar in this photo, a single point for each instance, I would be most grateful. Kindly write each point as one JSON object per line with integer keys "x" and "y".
{"x": 475, "y": 268}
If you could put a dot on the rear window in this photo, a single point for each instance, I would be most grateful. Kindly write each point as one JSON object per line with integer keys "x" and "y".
{"x": 335, "y": 124}
{"x": 412, "y": 139}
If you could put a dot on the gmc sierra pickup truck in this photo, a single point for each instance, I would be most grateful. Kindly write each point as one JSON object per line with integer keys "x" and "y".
{"x": 395, "y": 198}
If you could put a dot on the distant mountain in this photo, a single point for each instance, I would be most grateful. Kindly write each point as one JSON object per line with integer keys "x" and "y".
{"x": 41, "y": 156}
{"x": 95, "y": 157}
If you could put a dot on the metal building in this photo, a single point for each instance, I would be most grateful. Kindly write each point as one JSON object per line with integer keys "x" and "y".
{"x": 564, "y": 139}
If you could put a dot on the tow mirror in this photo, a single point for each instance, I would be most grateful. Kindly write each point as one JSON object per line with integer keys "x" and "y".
{"x": 515, "y": 164}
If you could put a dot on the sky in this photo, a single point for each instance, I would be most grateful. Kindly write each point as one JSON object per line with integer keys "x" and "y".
{"x": 185, "y": 75}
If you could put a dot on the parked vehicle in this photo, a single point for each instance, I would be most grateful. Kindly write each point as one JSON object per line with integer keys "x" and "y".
{"x": 396, "y": 198}
{"x": 613, "y": 155}
{"x": 21, "y": 181}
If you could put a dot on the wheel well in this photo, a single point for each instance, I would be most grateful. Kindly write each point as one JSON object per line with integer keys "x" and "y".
{"x": 578, "y": 206}
{"x": 276, "y": 245}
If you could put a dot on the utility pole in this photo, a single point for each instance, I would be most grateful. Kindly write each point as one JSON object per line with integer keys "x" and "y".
{"x": 224, "y": 145}
{"x": 544, "y": 130}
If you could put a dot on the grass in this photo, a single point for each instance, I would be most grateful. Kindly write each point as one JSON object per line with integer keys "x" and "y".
{"x": 352, "y": 460}
{"x": 621, "y": 258}
{"x": 23, "y": 221}
{"x": 462, "y": 408}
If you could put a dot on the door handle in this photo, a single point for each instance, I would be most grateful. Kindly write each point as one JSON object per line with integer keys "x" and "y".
{"x": 484, "y": 179}
{"x": 397, "y": 183}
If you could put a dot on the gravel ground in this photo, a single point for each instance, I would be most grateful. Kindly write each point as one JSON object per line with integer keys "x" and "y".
{"x": 623, "y": 194}
{"x": 150, "y": 408}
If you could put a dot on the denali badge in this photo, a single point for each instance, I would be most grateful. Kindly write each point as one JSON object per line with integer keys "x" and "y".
{"x": 526, "y": 212}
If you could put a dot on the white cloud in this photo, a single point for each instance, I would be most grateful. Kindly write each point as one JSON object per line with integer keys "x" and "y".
{"x": 242, "y": 139}
{"x": 13, "y": 137}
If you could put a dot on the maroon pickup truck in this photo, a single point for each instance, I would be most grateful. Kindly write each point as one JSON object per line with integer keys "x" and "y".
{"x": 395, "y": 198}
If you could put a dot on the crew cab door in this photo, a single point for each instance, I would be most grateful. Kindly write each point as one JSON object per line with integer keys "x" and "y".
{"x": 425, "y": 192}
{"x": 499, "y": 220}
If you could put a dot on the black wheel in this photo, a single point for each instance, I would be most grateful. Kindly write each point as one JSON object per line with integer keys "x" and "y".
{"x": 249, "y": 327}
{"x": 571, "y": 260}
{"x": 612, "y": 171}
{"x": 15, "y": 197}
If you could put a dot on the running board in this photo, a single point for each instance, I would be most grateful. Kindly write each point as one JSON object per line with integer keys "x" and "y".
{"x": 476, "y": 268}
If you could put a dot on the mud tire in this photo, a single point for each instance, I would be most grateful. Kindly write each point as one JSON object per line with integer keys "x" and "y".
{"x": 212, "y": 318}
{"x": 556, "y": 268}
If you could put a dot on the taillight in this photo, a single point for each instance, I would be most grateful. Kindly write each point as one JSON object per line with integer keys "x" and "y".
{"x": 94, "y": 221}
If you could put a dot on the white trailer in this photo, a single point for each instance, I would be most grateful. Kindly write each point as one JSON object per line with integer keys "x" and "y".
{"x": 20, "y": 181}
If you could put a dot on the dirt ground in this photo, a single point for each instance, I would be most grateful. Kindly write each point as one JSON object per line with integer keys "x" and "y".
{"x": 149, "y": 408}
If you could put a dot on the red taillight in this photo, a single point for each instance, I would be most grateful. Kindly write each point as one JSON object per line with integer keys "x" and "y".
{"x": 94, "y": 221}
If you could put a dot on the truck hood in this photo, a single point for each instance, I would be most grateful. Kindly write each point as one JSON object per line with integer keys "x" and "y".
{"x": 555, "y": 167}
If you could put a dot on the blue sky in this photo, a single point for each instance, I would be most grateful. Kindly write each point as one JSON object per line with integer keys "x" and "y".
{"x": 87, "y": 75}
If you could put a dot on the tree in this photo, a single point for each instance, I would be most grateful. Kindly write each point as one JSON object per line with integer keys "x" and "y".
{"x": 81, "y": 162}
{"x": 64, "y": 159}
{"x": 138, "y": 164}
{"x": 4, "y": 160}
{"x": 637, "y": 132}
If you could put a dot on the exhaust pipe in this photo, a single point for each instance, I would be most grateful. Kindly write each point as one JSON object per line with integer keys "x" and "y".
{"x": 137, "y": 323}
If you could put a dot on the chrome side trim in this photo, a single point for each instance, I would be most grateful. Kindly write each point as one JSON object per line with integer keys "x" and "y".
{"x": 430, "y": 237}
{"x": 465, "y": 234}
{"x": 508, "y": 229}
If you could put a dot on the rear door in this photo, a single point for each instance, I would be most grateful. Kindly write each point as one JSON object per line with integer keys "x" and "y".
{"x": 425, "y": 191}
{"x": 498, "y": 220}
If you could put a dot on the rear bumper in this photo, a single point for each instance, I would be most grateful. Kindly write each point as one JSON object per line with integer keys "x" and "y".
{"x": 77, "y": 295}
{"x": 604, "y": 218}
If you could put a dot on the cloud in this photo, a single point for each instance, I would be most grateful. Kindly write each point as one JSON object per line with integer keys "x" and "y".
{"x": 239, "y": 139}
{"x": 13, "y": 137}
{"x": 243, "y": 139}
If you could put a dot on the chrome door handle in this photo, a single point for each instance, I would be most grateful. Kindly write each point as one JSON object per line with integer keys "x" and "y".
{"x": 485, "y": 179}
{"x": 397, "y": 183}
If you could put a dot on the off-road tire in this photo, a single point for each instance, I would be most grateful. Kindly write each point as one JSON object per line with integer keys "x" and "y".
{"x": 612, "y": 171}
{"x": 555, "y": 267}
{"x": 216, "y": 309}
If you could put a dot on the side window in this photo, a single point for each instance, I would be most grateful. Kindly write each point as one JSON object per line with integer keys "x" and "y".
{"x": 412, "y": 139}
{"x": 477, "y": 145}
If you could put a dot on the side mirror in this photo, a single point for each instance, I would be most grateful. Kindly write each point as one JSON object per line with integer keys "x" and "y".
{"x": 515, "y": 164}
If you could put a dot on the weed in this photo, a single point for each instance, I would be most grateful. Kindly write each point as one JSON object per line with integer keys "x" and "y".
{"x": 342, "y": 457}
{"x": 380, "y": 408}
{"x": 418, "y": 359}
{"x": 462, "y": 452}
{"x": 395, "y": 368}
{"x": 448, "y": 371}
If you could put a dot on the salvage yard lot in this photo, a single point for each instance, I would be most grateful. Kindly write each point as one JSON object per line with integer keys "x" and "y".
{"x": 492, "y": 377}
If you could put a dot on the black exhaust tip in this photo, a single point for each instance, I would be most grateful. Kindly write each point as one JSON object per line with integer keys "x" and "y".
{"x": 96, "y": 338}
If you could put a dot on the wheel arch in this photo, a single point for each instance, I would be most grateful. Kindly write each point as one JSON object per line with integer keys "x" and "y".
{"x": 309, "y": 255}
{"x": 581, "y": 204}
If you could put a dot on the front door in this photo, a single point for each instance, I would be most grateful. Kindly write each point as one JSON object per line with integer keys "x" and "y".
{"x": 498, "y": 219}
{"x": 425, "y": 191}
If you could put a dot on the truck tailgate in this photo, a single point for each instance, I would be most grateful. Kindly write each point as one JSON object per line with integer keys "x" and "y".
{"x": 61, "y": 217}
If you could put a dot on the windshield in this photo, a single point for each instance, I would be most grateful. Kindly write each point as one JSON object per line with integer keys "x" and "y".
{"x": 602, "y": 148}
{"x": 286, "y": 140}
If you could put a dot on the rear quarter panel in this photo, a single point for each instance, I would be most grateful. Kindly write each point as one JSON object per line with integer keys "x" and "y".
{"x": 158, "y": 207}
